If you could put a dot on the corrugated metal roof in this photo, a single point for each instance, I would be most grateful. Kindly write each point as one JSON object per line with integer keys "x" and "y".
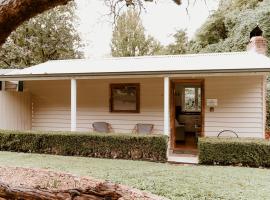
{"x": 192, "y": 63}
{"x": 5, "y": 71}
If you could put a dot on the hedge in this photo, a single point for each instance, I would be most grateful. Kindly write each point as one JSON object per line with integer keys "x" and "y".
{"x": 121, "y": 146}
{"x": 234, "y": 151}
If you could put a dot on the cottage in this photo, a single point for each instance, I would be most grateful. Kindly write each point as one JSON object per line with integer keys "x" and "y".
{"x": 183, "y": 96}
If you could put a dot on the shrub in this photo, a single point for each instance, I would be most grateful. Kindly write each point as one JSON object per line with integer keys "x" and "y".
{"x": 234, "y": 151}
{"x": 122, "y": 146}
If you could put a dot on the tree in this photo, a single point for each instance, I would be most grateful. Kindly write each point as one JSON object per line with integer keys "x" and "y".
{"x": 129, "y": 38}
{"x": 48, "y": 36}
{"x": 14, "y": 12}
{"x": 180, "y": 44}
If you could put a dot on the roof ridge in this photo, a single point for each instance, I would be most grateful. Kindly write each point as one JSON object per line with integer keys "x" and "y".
{"x": 174, "y": 56}
{"x": 154, "y": 56}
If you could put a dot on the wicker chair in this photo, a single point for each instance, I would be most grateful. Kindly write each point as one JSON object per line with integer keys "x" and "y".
{"x": 143, "y": 128}
{"x": 102, "y": 127}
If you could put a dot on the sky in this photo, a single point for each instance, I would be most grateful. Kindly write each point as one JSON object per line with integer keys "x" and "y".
{"x": 161, "y": 20}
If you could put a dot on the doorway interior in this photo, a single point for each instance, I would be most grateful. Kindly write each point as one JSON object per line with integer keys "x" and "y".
{"x": 187, "y": 113}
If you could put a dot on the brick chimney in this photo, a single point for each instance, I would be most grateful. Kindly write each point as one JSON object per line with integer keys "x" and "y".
{"x": 257, "y": 42}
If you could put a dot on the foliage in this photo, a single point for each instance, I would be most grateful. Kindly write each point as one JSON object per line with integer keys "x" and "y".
{"x": 98, "y": 145}
{"x": 238, "y": 4}
{"x": 229, "y": 27}
{"x": 129, "y": 38}
{"x": 176, "y": 182}
{"x": 48, "y": 36}
{"x": 180, "y": 44}
{"x": 234, "y": 151}
{"x": 213, "y": 31}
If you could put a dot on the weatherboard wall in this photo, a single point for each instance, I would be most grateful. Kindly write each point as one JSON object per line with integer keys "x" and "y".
{"x": 51, "y": 105}
{"x": 15, "y": 110}
{"x": 241, "y": 105}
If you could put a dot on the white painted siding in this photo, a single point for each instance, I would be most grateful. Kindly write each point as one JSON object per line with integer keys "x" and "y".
{"x": 15, "y": 110}
{"x": 51, "y": 105}
{"x": 240, "y": 105}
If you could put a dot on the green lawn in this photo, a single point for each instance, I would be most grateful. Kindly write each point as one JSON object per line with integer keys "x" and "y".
{"x": 172, "y": 181}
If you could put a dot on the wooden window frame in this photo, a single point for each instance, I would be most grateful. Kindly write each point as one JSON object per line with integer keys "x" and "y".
{"x": 122, "y": 85}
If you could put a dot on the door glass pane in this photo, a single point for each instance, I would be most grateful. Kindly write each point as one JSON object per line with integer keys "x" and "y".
{"x": 199, "y": 99}
{"x": 192, "y": 97}
{"x": 189, "y": 99}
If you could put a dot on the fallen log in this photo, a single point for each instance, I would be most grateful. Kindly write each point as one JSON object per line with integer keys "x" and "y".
{"x": 102, "y": 191}
{"x": 39, "y": 184}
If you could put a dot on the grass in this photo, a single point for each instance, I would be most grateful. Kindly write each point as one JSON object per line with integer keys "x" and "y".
{"x": 172, "y": 181}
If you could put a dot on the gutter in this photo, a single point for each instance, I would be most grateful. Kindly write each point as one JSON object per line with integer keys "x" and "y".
{"x": 158, "y": 73}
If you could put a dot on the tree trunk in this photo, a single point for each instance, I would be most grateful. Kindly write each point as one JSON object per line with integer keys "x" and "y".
{"x": 15, "y": 12}
{"x": 102, "y": 191}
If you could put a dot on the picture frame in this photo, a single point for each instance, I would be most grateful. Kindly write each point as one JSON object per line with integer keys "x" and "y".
{"x": 125, "y": 97}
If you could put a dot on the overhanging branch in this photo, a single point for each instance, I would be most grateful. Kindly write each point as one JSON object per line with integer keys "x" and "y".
{"x": 15, "y": 12}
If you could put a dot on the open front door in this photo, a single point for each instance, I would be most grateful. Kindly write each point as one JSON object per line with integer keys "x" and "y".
{"x": 187, "y": 108}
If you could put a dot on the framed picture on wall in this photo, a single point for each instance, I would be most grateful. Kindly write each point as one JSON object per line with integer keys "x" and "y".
{"x": 125, "y": 97}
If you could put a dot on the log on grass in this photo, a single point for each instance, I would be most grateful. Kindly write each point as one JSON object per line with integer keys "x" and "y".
{"x": 102, "y": 191}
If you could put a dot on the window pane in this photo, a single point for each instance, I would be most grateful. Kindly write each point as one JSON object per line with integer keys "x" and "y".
{"x": 192, "y": 96}
{"x": 189, "y": 99}
{"x": 199, "y": 99}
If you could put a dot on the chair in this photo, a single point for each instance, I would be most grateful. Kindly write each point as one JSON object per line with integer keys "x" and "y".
{"x": 102, "y": 127}
{"x": 143, "y": 128}
{"x": 180, "y": 135}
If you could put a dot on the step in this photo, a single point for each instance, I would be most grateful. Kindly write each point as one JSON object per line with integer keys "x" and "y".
{"x": 183, "y": 151}
{"x": 183, "y": 159}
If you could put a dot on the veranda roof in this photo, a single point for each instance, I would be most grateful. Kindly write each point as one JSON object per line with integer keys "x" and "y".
{"x": 5, "y": 71}
{"x": 143, "y": 65}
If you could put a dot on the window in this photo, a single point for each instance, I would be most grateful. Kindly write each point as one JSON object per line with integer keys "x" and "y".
{"x": 125, "y": 97}
{"x": 192, "y": 99}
